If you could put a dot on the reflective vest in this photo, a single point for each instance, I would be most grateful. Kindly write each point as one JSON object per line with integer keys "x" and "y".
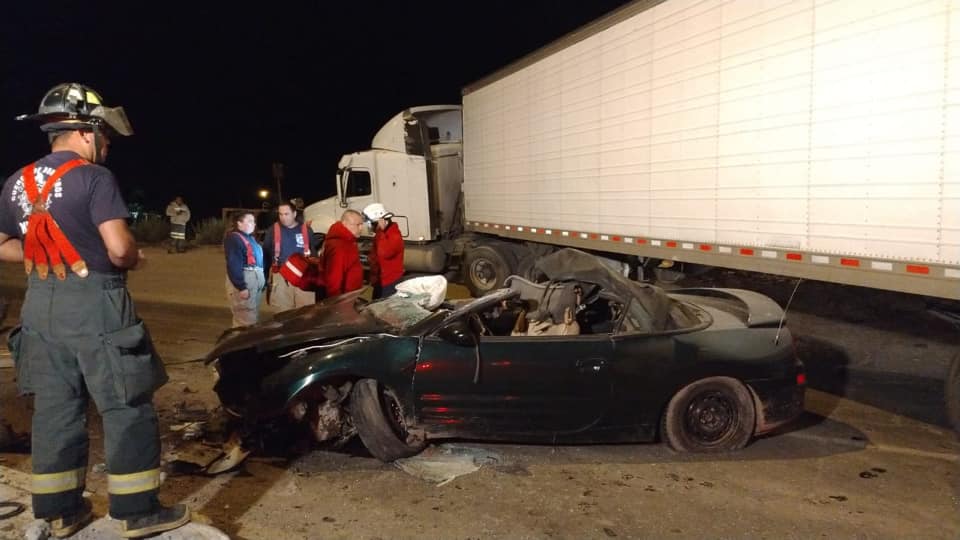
{"x": 44, "y": 244}
{"x": 304, "y": 228}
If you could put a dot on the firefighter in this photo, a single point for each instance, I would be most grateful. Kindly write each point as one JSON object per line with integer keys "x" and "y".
{"x": 286, "y": 237}
{"x": 179, "y": 214}
{"x": 386, "y": 256}
{"x": 80, "y": 336}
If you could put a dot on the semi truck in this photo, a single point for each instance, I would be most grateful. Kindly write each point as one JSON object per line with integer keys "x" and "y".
{"x": 818, "y": 140}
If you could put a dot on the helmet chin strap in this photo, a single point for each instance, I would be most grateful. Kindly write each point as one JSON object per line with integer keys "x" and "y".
{"x": 98, "y": 146}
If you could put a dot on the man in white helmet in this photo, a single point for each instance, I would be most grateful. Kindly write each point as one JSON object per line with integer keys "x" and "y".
{"x": 386, "y": 256}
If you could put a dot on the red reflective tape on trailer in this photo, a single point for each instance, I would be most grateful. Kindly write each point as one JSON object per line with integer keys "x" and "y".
{"x": 915, "y": 269}
{"x": 641, "y": 240}
{"x": 794, "y": 257}
{"x": 671, "y": 244}
{"x": 616, "y": 238}
{"x": 705, "y": 247}
{"x": 745, "y": 251}
{"x": 850, "y": 262}
{"x": 594, "y": 236}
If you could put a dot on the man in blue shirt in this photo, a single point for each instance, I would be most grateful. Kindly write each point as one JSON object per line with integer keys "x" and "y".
{"x": 286, "y": 237}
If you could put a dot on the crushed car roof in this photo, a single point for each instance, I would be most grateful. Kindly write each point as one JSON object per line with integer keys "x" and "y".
{"x": 574, "y": 265}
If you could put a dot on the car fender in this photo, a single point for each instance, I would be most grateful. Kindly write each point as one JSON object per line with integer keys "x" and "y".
{"x": 390, "y": 361}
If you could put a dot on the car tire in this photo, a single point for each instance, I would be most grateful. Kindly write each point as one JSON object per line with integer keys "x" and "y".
{"x": 379, "y": 421}
{"x": 716, "y": 414}
{"x": 485, "y": 268}
{"x": 952, "y": 393}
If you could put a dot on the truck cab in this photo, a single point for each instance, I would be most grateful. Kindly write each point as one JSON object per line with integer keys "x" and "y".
{"x": 413, "y": 168}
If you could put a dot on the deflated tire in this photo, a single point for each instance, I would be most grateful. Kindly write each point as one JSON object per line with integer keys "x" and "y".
{"x": 378, "y": 416}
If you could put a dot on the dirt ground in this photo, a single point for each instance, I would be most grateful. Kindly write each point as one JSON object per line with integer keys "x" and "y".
{"x": 854, "y": 467}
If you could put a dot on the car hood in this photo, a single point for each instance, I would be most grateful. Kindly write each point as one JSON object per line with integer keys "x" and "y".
{"x": 332, "y": 318}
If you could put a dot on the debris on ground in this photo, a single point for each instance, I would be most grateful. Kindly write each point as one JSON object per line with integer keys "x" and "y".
{"x": 106, "y": 528}
{"x": 443, "y": 463}
{"x": 232, "y": 456}
{"x": 191, "y": 430}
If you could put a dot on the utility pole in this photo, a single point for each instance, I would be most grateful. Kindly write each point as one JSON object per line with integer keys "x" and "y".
{"x": 278, "y": 177}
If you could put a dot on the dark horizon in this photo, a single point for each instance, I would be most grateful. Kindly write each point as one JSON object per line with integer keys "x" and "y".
{"x": 216, "y": 97}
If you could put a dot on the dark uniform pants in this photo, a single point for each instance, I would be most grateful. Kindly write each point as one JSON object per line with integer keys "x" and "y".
{"x": 81, "y": 338}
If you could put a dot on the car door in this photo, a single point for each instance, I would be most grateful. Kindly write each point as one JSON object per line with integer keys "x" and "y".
{"x": 500, "y": 385}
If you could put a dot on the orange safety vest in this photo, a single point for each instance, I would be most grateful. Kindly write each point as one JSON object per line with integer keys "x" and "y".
{"x": 276, "y": 244}
{"x": 44, "y": 241}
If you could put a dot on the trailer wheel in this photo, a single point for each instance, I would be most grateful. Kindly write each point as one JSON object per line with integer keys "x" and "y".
{"x": 377, "y": 414}
{"x": 528, "y": 271}
{"x": 952, "y": 393}
{"x": 485, "y": 269}
{"x": 710, "y": 415}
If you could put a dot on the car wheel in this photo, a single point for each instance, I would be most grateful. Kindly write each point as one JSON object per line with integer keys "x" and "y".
{"x": 485, "y": 269}
{"x": 710, "y": 415}
{"x": 378, "y": 417}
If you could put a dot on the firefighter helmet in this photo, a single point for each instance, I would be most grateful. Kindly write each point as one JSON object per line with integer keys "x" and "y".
{"x": 70, "y": 106}
{"x": 376, "y": 211}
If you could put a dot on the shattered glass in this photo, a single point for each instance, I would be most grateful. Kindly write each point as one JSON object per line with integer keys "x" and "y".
{"x": 400, "y": 312}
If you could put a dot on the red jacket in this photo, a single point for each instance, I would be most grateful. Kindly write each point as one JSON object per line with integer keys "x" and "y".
{"x": 386, "y": 257}
{"x": 342, "y": 271}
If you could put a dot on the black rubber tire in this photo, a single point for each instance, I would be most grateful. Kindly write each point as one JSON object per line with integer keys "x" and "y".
{"x": 485, "y": 268}
{"x": 716, "y": 414}
{"x": 378, "y": 418}
{"x": 951, "y": 392}
{"x": 526, "y": 269}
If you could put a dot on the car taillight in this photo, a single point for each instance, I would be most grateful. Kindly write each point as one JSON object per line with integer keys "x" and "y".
{"x": 801, "y": 379}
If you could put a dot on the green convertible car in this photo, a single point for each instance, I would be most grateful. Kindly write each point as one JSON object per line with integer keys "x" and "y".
{"x": 588, "y": 356}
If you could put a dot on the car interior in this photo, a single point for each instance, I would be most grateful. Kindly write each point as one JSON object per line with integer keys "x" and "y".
{"x": 552, "y": 309}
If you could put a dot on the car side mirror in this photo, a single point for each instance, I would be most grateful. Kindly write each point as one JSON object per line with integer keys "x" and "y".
{"x": 458, "y": 333}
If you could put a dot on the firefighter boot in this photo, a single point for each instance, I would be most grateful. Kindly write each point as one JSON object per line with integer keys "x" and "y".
{"x": 165, "y": 518}
{"x": 65, "y": 526}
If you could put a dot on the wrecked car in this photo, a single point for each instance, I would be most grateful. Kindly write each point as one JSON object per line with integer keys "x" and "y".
{"x": 588, "y": 356}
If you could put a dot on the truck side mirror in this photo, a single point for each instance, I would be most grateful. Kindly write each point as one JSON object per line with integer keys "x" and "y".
{"x": 342, "y": 192}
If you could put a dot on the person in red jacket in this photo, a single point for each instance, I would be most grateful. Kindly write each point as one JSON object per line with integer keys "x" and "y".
{"x": 386, "y": 257}
{"x": 342, "y": 271}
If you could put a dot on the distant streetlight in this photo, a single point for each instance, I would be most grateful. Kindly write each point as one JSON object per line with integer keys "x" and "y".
{"x": 264, "y": 193}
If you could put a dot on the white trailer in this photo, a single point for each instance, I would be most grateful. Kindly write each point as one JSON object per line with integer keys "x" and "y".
{"x": 803, "y": 138}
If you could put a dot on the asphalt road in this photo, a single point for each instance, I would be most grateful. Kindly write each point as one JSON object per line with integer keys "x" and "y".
{"x": 869, "y": 459}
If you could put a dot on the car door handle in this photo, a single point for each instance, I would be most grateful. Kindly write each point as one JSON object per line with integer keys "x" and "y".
{"x": 591, "y": 365}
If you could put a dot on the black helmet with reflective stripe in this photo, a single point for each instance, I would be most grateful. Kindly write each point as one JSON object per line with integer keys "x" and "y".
{"x": 69, "y": 106}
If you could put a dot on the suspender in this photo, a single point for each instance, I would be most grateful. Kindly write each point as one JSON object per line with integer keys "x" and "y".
{"x": 276, "y": 243}
{"x": 44, "y": 241}
{"x": 251, "y": 257}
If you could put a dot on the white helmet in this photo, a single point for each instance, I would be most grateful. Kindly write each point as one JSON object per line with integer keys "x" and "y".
{"x": 376, "y": 211}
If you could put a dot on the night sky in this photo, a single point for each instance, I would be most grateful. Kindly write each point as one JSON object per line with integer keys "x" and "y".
{"x": 216, "y": 94}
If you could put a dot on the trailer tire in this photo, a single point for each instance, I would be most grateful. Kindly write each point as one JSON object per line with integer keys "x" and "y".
{"x": 485, "y": 269}
{"x": 527, "y": 269}
{"x": 952, "y": 393}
